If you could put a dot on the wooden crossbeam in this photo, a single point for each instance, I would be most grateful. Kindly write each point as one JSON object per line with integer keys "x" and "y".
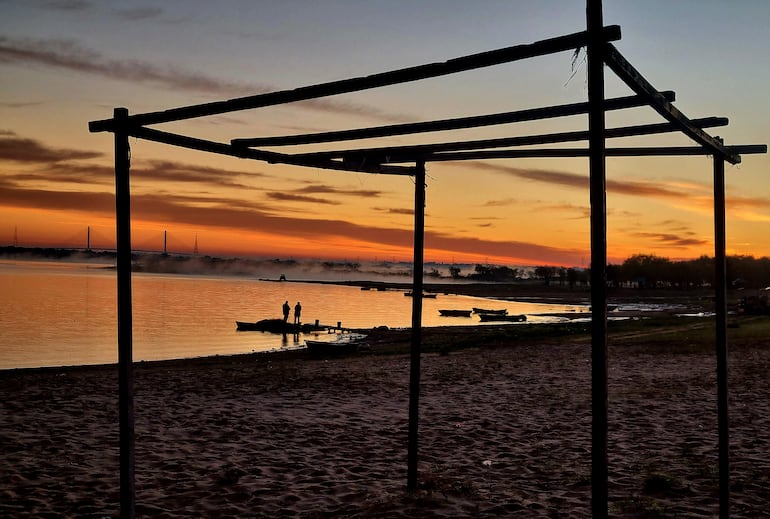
{"x": 193, "y": 143}
{"x": 746, "y": 149}
{"x": 626, "y": 72}
{"x": 459, "y": 123}
{"x": 405, "y": 75}
{"x": 397, "y": 154}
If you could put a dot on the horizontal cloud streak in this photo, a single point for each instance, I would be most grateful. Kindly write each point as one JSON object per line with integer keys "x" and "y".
{"x": 18, "y": 149}
{"x": 69, "y": 54}
{"x": 671, "y": 240}
{"x": 139, "y": 13}
{"x": 234, "y": 214}
{"x": 66, "y": 5}
{"x": 661, "y": 190}
{"x": 60, "y": 165}
{"x": 330, "y": 190}
{"x": 395, "y": 210}
{"x": 290, "y": 197}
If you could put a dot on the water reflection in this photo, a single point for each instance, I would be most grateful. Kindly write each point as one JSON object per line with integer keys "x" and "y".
{"x": 54, "y": 315}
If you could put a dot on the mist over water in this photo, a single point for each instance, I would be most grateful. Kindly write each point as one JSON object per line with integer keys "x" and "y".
{"x": 65, "y": 314}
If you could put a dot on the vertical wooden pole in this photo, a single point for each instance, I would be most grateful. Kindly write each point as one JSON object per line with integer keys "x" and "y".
{"x": 125, "y": 315}
{"x": 720, "y": 280}
{"x": 596, "y": 127}
{"x": 417, "y": 287}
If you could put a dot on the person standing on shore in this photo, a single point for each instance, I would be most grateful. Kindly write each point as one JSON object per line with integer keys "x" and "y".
{"x": 297, "y": 312}
{"x": 286, "y": 309}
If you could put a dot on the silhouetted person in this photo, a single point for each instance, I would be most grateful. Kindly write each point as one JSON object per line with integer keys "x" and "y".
{"x": 297, "y": 312}
{"x": 286, "y": 310}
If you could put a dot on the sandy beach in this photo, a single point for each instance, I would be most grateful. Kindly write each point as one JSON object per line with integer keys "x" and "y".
{"x": 504, "y": 432}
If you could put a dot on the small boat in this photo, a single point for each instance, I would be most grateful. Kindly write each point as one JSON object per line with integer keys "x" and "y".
{"x": 493, "y": 312}
{"x": 503, "y": 318}
{"x": 455, "y": 313}
{"x": 330, "y": 348}
{"x": 276, "y": 326}
{"x": 265, "y": 325}
{"x": 425, "y": 295}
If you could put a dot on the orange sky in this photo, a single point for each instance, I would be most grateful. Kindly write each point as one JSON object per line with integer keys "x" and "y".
{"x": 56, "y": 179}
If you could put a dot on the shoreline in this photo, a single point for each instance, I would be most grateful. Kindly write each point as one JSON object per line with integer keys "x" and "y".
{"x": 505, "y": 430}
{"x": 385, "y": 340}
{"x": 533, "y": 291}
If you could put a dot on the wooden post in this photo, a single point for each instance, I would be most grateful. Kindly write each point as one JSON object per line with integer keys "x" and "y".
{"x": 125, "y": 315}
{"x": 720, "y": 281}
{"x": 596, "y": 128}
{"x": 417, "y": 287}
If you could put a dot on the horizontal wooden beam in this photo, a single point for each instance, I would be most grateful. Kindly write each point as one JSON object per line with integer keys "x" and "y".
{"x": 193, "y": 143}
{"x": 629, "y": 75}
{"x": 583, "y": 152}
{"x": 532, "y": 114}
{"x": 400, "y": 154}
{"x": 470, "y": 62}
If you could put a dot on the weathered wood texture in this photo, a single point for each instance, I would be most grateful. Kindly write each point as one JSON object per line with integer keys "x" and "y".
{"x": 405, "y": 75}
{"x": 531, "y": 114}
{"x": 396, "y": 154}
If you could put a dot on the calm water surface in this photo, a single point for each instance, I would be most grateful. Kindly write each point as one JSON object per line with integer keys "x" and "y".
{"x": 56, "y": 314}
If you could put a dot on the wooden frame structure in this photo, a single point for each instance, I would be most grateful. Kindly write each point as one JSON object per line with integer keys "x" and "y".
{"x": 390, "y": 160}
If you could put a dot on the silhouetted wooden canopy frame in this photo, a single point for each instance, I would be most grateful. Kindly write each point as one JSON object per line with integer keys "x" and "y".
{"x": 387, "y": 160}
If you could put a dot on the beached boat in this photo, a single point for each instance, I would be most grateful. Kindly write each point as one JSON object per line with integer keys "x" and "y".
{"x": 330, "y": 348}
{"x": 276, "y": 326}
{"x": 503, "y": 318}
{"x": 486, "y": 311}
{"x": 455, "y": 313}
{"x": 425, "y": 295}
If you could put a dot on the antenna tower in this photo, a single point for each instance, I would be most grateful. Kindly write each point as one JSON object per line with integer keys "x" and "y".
{"x": 195, "y": 247}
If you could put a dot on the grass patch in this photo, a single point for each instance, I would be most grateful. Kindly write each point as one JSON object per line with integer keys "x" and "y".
{"x": 657, "y": 334}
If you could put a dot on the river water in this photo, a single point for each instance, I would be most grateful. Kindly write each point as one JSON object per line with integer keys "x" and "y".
{"x": 59, "y": 314}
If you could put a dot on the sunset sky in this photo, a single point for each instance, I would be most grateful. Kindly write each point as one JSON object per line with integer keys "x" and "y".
{"x": 64, "y": 63}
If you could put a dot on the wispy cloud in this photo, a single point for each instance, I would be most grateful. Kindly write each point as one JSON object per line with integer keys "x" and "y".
{"x": 291, "y": 197}
{"x": 572, "y": 180}
{"x": 304, "y": 194}
{"x": 20, "y": 104}
{"x": 71, "y": 55}
{"x": 395, "y": 210}
{"x": 179, "y": 172}
{"x": 18, "y": 149}
{"x": 669, "y": 233}
{"x": 579, "y": 212}
{"x": 237, "y": 215}
{"x": 331, "y": 190}
{"x": 64, "y": 165}
{"x": 139, "y": 13}
{"x": 686, "y": 195}
{"x": 671, "y": 240}
{"x": 66, "y": 5}
{"x": 503, "y": 202}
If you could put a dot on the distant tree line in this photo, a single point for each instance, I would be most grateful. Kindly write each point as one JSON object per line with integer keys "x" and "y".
{"x": 650, "y": 271}
{"x": 643, "y": 271}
